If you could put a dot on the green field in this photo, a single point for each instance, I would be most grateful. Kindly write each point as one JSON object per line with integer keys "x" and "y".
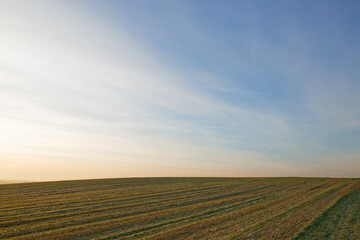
{"x": 182, "y": 208}
{"x": 342, "y": 221}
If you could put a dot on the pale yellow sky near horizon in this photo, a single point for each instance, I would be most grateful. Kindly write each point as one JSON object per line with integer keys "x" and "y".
{"x": 43, "y": 169}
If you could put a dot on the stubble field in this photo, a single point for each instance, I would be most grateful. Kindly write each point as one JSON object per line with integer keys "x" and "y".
{"x": 182, "y": 208}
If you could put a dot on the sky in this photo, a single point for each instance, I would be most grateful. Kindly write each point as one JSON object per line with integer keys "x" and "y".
{"x": 107, "y": 89}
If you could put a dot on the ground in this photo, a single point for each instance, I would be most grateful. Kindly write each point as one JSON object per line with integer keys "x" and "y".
{"x": 182, "y": 208}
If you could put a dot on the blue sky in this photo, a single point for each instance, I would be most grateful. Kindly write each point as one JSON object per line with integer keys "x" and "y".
{"x": 92, "y": 89}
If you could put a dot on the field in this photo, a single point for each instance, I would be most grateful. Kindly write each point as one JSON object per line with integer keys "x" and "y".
{"x": 182, "y": 208}
{"x": 342, "y": 221}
